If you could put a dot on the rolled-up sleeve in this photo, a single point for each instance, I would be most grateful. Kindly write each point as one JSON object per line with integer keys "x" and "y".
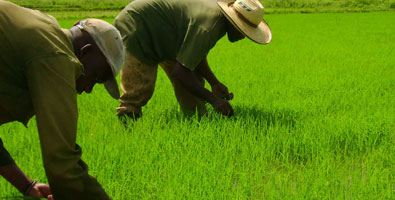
{"x": 51, "y": 82}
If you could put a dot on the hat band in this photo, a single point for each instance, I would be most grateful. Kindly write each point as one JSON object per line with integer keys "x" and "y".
{"x": 242, "y": 17}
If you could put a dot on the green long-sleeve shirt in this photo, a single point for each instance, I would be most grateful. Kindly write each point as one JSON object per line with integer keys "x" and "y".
{"x": 38, "y": 72}
{"x": 178, "y": 30}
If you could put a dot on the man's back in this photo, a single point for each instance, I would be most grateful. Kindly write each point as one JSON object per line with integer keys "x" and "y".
{"x": 27, "y": 36}
{"x": 30, "y": 33}
{"x": 157, "y": 30}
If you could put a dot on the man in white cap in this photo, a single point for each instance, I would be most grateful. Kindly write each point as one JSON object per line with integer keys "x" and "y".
{"x": 42, "y": 68}
{"x": 177, "y": 35}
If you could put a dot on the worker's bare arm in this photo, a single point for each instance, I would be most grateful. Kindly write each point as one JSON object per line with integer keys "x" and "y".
{"x": 189, "y": 80}
{"x": 13, "y": 174}
{"x": 218, "y": 88}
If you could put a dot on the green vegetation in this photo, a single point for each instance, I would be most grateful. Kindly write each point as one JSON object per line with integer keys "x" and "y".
{"x": 272, "y": 6}
{"x": 314, "y": 120}
{"x": 72, "y": 9}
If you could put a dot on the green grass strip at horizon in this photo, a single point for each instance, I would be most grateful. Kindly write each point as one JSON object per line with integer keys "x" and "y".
{"x": 81, "y": 14}
{"x": 99, "y": 8}
{"x": 117, "y": 4}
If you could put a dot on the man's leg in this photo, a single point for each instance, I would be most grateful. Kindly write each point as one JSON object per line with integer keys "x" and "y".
{"x": 189, "y": 102}
{"x": 137, "y": 85}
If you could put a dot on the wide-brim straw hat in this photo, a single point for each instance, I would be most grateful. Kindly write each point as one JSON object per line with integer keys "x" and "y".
{"x": 247, "y": 17}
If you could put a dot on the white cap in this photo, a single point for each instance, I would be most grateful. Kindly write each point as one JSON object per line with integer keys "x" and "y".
{"x": 109, "y": 41}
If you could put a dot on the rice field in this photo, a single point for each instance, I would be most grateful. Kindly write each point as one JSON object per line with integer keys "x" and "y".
{"x": 314, "y": 119}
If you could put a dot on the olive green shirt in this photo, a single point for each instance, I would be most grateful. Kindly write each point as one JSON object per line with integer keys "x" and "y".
{"x": 176, "y": 30}
{"x": 38, "y": 72}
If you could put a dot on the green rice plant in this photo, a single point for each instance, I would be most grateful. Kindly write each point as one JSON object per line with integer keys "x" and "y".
{"x": 314, "y": 119}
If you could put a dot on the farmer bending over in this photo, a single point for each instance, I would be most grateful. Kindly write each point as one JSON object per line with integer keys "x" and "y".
{"x": 42, "y": 68}
{"x": 177, "y": 35}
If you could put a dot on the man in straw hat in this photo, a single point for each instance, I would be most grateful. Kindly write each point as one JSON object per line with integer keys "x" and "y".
{"x": 42, "y": 68}
{"x": 177, "y": 35}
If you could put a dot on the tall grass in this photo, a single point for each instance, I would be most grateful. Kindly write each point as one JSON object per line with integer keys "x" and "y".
{"x": 314, "y": 120}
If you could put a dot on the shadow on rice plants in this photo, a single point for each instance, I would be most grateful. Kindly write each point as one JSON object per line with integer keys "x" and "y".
{"x": 249, "y": 116}
{"x": 266, "y": 118}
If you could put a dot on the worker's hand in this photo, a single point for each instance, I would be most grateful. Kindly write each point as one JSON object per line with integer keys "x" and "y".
{"x": 40, "y": 190}
{"x": 221, "y": 91}
{"x": 223, "y": 107}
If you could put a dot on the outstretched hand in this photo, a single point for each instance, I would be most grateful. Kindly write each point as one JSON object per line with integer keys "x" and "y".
{"x": 40, "y": 190}
{"x": 221, "y": 91}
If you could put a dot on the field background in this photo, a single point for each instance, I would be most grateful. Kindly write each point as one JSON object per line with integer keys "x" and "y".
{"x": 107, "y": 8}
{"x": 314, "y": 119}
